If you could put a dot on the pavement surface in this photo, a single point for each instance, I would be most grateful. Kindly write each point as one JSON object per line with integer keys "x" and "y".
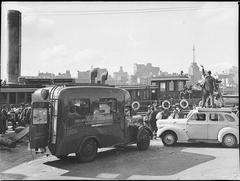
{"x": 183, "y": 161}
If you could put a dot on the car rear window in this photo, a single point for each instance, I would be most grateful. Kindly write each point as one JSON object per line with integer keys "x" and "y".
{"x": 229, "y": 118}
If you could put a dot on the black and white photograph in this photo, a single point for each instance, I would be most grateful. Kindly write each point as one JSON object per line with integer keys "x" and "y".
{"x": 119, "y": 90}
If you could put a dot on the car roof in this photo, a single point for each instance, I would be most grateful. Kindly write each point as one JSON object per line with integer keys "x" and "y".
{"x": 221, "y": 110}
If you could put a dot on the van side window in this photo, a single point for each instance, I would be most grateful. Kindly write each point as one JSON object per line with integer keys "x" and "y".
{"x": 109, "y": 103}
{"x": 103, "y": 110}
{"x": 80, "y": 107}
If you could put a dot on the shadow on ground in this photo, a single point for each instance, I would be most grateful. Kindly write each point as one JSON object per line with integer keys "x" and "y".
{"x": 121, "y": 164}
{"x": 8, "y": 176}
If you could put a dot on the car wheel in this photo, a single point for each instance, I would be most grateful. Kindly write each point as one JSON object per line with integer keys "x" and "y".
{"x": 143, "y": 141}
{"x": 229, "y": 141}
{"x": 169, "y": 138}
{"x": 62, "y": 157}
{"x": 88, "y": 151}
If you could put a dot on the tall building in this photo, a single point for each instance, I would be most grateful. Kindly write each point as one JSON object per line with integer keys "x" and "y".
{"x": 120, "y": 77}
{"x": 83, "y": 77}
{"x": 145, "y": 72}
{"x": 194, "y": 72}
{"x": 67, "y": 74}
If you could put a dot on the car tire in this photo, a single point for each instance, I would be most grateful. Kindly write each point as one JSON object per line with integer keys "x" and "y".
{"x": 143, "y": 140}
{"x": 229, "y": 141}
{"x": 88, "y": 151}
{"x": 169, "y": 138}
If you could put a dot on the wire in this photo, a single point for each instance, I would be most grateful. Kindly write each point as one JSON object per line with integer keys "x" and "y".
{"x": 125, "y": 11}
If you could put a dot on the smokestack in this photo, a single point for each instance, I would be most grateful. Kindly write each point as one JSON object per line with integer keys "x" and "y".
{"x": 14, "y": 46}
{"x": 104, "y": 77}
{"x": 93, "y": 75}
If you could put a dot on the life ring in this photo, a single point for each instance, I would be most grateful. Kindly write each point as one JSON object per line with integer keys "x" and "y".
{"x": 164, "y": 103}
{"x": 135, "y": 108}
{"x": 182, "y": 103}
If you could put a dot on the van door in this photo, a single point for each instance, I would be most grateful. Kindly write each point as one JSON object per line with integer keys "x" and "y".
{"x": 39, "y": 125}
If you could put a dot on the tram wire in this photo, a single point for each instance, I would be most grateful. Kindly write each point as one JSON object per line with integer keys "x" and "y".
{"x": 124, "y": 11}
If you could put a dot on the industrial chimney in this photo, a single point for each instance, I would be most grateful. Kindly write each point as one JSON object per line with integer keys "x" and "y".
{"x": 14, "y": 46}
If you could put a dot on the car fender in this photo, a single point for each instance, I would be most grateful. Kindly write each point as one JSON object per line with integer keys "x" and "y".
{"x": 227, "y": 130}
{"x": 181, "y": 134}
{"x": 141, "y": 128}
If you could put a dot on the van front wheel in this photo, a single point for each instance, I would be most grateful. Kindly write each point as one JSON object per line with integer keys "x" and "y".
{"x": 88, "y": 151}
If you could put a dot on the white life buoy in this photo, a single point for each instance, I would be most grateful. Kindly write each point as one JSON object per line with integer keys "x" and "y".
{"x": 182, "y": 102}
{"x": 200, "y": 103}
{"x": 135, "y": 105}
{"x": 164, "y": 104}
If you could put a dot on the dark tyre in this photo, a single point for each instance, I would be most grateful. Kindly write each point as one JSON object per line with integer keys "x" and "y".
{"x": 88, "y": 151}
{"x": 62, "y": 157}
{"x": 229, "y": 141}
{"x": 169, "y": 138}
{"x": 143, "y": 141}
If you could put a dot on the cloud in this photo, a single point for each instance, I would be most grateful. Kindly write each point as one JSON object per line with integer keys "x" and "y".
{"x": 37, "y": 27}
{"x": 60, "y": 58}
{"x": 53, "y": 53}
{"x": 219, "y": 67}
{"x": 218, "y": 13}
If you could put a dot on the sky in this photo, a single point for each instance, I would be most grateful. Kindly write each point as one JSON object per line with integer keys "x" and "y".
{"x": 75, "y": 36}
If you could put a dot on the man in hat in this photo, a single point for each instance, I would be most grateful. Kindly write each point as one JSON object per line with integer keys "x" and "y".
{"x": 174, "y": 114}
{"x": 147, "y": 117}
{"x": 209, "y": 85}
{"x": 160, "y": 113}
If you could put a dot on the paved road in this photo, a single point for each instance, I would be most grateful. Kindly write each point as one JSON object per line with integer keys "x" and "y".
{"x": 184, "y": 161}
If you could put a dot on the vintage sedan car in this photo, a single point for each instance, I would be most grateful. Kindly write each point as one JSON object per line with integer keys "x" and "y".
{"x": 212, "y": 125}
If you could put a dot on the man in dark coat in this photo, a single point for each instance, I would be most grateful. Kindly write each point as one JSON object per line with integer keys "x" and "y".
{"x": 208, "y": 87}
{"x": 153, "y": 121}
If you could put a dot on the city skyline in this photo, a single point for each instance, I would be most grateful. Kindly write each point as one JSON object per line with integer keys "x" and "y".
{"x": 58, "y": 36}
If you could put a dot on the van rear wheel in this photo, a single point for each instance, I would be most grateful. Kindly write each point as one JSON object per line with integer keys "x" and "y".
{"x": 88, "y": 151}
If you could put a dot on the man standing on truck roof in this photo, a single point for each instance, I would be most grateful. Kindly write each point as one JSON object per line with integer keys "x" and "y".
{"x": 209, "y": 85}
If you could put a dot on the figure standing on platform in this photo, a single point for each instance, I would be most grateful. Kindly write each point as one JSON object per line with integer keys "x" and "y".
{"x": 208, "y": 87}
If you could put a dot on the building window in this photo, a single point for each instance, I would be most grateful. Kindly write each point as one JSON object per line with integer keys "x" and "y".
{"x": 153, "y": 83}
{"x": 163, "y": 86}
{"x": 180, "y": 85}
{"x": 171, "y": 86}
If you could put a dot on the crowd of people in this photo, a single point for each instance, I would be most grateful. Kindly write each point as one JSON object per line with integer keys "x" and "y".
{"x": 157, "y": 113}
{"x": 16, "y": 115}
